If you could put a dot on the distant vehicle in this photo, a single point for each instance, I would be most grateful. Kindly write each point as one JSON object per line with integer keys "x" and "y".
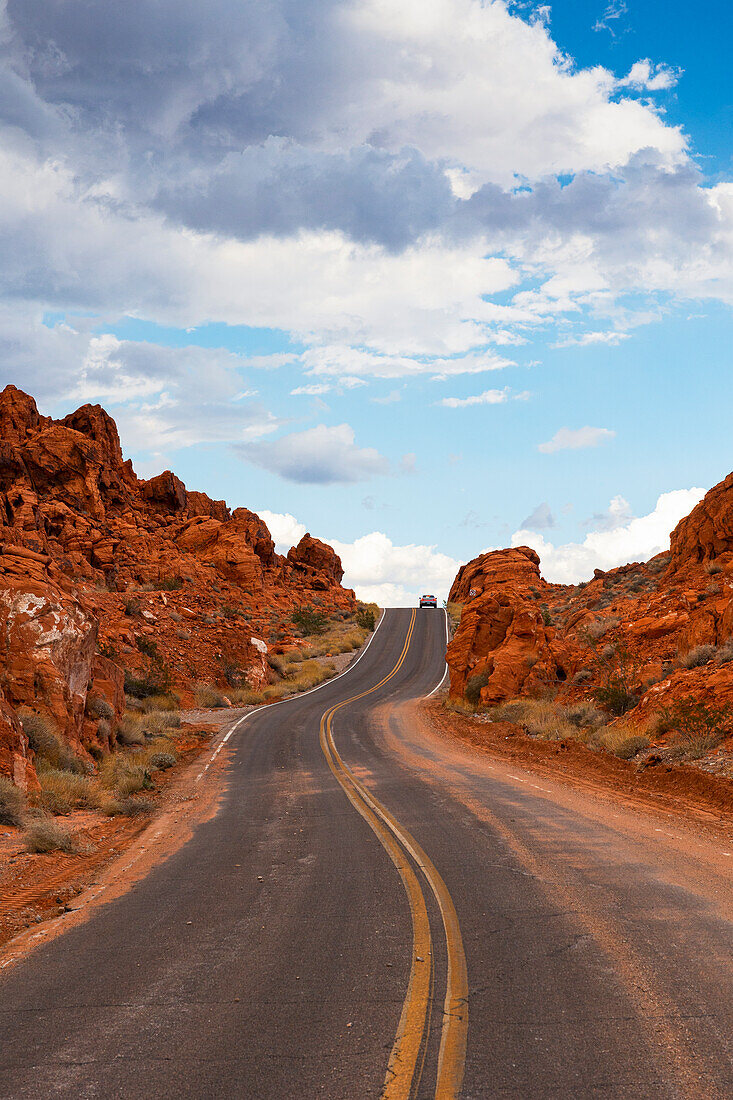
{"x": 428, "y": 601}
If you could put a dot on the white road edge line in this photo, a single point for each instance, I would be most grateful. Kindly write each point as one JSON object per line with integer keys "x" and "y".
{"x": 289, "y": 699}
{"x": 445, "y": 673}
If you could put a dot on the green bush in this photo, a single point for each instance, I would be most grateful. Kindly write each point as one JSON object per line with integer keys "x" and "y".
{"x": 309, "y": 621}
{"x": 12, "y": 803}
{"x": 365, "y": 618}
{"x": 615, "y": 696}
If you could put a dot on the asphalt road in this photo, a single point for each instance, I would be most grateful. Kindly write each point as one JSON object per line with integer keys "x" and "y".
{"x": 375, "y": 912}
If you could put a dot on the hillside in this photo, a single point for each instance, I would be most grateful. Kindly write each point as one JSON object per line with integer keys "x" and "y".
{"x": 105, "y": 576}
{"x": 644, "y": 650}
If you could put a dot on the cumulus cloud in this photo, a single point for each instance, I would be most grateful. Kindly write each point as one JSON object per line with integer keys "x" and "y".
{"x": 394, "y": 576}
{"x": 574, "y": 439}
{"x": 645, "y": 75}
{"x": 285, "y": 529}
{"x": 317, "y": 456}
{"x": 618, "y": 514}
{"x": 635, "y": 539}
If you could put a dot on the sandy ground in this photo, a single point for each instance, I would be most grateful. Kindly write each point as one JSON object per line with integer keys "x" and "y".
{"x": 681, "y": 789}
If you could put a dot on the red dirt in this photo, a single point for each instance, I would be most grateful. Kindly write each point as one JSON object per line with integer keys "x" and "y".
{"x": 681, "y": 789}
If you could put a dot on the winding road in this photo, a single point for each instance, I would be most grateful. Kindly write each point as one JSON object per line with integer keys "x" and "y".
{"x": 374, "y": 911}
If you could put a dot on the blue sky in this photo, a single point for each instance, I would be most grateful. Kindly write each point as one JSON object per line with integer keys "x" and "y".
{"x": 421, "y": 278}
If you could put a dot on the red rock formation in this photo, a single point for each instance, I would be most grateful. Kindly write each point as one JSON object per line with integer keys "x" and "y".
{"x": 523, "y": 636}
{"x": 81, "y": 538}
{"x": 503, "y": 639}
{"x": 316, "y": 563}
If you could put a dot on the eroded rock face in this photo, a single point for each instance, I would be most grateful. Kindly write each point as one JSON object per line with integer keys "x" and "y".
{"x": 502, "y": 640}
{"x": 523, "y": 636}
{"x": 79, "y": 533}
{"x": 316, "y": 563}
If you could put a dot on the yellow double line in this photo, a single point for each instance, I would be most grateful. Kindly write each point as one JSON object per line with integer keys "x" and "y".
{"x": 405, "y": 1064}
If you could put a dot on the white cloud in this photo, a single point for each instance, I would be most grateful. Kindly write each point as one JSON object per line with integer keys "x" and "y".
{"x": 488, "y": 397}
{"x": 285, "y": 529}
{"x": 587, "y": 339}
{"x": 645, "y": 75}
{"x": 317, "y": 456}
{"x": 394, "y": 576}
{"x": 313, "y": 390}
{"x": 635, "y": 540}
{"x": 540, "y": 519}
{"x": 574, "y": 439}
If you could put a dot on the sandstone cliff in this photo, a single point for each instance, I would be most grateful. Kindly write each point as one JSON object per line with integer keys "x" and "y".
{"x": 102, "y": 573}
{"x": 660, "y": 631}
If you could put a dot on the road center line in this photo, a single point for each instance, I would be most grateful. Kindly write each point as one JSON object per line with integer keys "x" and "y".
{"x": 403, "y": 1060}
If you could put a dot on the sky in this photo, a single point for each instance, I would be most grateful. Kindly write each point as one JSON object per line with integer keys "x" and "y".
{"x": 421, "y": 277}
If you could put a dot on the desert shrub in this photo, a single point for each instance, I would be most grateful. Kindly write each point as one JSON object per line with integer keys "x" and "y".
{"x": 310, "y": 674}
{"x": 170, "y": 584}
{"x": 545, "y": 613}
{"x": 97, "y": 707}
{"x": 540, "y": 718}
{"x": 208, "y": 695}
{"x": 636, "y": 583}
{"x": 366, "y": 616}
{"x": 309, "y": 621}
{"x": 725, "y": 653}
{"x": 124, "y": 776}
{"x": 696, "y": 745}
{"x": 713, "y": 589}
{"x": 127, "y": 807}
{"x": 697, "y": 657}
{"x": 247, "y": 697}
{"x": 47, "y": 836}
{"x": 156, "y": 680}
{"x": 474, "y": 684}
{"x": 615, "y": 695}
{"x": 584, "y": 715}
{"x": 701, "y": 725}
{"x": 12, "y": 803}
{"x": 154, "y": 721}
{"x": 168, "y": 702}
{"x": 631, "y": 746}
{"x": 162, "y": 760}
{"x": 277, "y": 664}
{"x": 600, "y": 627}
{"x": 44, "y": 739}
{"x": 658, "y": 565}
{"x": 713, "y": 567}
{"x": 582, "y": 676}
{"x": 133, "y": 607}
{"x": 62, "y": 792}
{"x": 104, "y": 729}
{"x": 130, "y": 730}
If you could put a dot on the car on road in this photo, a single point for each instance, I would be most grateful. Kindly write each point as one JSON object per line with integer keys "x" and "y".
{"x": 428, "y": 601}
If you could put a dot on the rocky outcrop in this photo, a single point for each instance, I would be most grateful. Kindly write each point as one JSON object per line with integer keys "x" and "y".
{"x": 664, "y": 626}
{"x": 503, "y": 645}
{"x": 315, "y": 563}
{"x": 102, "y": 572}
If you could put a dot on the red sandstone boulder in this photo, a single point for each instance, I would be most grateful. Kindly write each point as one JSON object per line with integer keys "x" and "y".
{"x": 315, "y": 564}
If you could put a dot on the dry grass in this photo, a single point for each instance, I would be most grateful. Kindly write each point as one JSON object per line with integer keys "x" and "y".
{"x": 46, "y": 742}
{"x": 47, "y": 836}
{"x": 208, "y": 695}
{"x": 622, "y": 740}
{"x": 62, "y": 792}
{"x": 697, "y": 657}
{"x": 12, "y": 803}
{"x": 540, "y": 718}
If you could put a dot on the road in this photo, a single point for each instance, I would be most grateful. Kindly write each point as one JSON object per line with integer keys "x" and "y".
{"x": 376, "y": 912}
